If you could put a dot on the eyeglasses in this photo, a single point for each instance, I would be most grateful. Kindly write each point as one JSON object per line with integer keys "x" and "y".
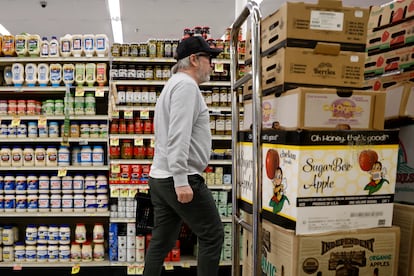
{"x": 204, "y": 55}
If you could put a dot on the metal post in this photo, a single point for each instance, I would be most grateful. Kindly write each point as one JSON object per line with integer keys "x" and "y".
{"x": 251, "y": 9}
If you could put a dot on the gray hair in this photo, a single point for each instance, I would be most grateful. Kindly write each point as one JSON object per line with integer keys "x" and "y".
{"x": 181, "y": 64}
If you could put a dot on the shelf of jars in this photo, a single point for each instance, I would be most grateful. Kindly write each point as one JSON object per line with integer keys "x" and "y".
{"x": 10, "y": 60}
{"x": 55, "y": 117}
{"x": 54, "y": 140}
{"x": 57, "y": 168}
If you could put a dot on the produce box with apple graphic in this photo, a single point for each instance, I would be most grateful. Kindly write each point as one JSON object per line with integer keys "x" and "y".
{"x": 321, "y": 181}
{"x": 391, "y": 13}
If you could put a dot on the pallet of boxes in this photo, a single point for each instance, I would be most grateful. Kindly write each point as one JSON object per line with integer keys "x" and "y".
{"x": 389, "y": 67}
{"x": 329, "y": 166}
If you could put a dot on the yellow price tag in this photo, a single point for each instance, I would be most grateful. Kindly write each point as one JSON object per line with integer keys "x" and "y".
{"x": 114, "y": 142}
{"x": 169, "y": 266}
{"x": 79, "y": 92}
{"x": 42, "y": 122}
{"x": 139, "y": 270}
{"x": 75, "y": 269}
{"x": 62, "y": 172}
{"x": 132, "y": 192}
{"x": 186, "y": 265}
{"x": 114, "y": 192}
{"x": 152, "y": 142}
{"x": 219, "y": 67}
{"x": 99, "y": 92}
{"x": 131, "y": 270}
{"x": 128, "y": 114}
{"x": 144, "y": 114}
{"x": 115, "y": 168}
{"x": 15, "y": 121}
{"x": 138, "y": 141}
{"x": 17, "y": 267}
{"x": 124, "y": 193}
{"x": 115, "y": 114}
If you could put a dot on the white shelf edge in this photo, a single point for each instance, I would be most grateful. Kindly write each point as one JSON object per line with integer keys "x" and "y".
{"x": 56, "y": 168}
{"x": 7, "y": 60}
{"x": 16, "y": 89}
{"x": 56, "y": 214}
{"x": 55, "y": 264}
{"x": 57, "y": 117}
{"x": 51, "y": 140}
{"x": 132, "y": 136}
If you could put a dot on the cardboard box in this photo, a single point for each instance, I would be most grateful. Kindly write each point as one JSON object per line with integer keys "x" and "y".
{"x": 385, "y": 81}
{"x": 325, "y": 108}
{"x": 304, "y": 24}
{"x": 355, "y": 252}
{"x": 391, "y": 13}
{"x": 396, "y": 36}
{"x": 325, "y": 65}
{"x": 404, "y": 188}
{"x": 321, "y": 181}
{"x": 404, "y": 218}
{"x": 401, "y": 59}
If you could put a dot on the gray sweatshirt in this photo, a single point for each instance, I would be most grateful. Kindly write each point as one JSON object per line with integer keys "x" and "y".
{"x": 182, "y": 131}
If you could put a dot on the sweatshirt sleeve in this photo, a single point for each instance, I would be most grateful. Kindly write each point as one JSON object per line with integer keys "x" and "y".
{"x": 183, "y": 110}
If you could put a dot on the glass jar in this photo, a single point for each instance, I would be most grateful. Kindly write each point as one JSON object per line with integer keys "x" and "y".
{"x": 127, "y": 151}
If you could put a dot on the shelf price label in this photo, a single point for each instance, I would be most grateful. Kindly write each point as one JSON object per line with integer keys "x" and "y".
{"x": 115, "y": 168}
{"x": 169, "y": 266}
{"x": 218, "y": 67}
{"x": 124, "y": 193}
{"x": 131, "y": 270}
{"x": 62, "y": 172}
{"x": 139, "y": 270}
{"x": 152, "y": 142}
{"x": 114, "y": 142}
{"x": 17, "y": 267}
{"x": 42, "y": 122}
{"x": 99, "y": 92}
{"x": 132, "y": 193}
{"x": 115, "y": 114}
{"x": 114, "y": 192}
{"x": 144, "y": 114}
{"x": 79, "y": 92}
{"x": 15, "y": 121}
{"x": 75, "y": 269}
{"x": 128, "y": 114}
{"x": 138, "y": 141}
{"x": 186, "y": 265}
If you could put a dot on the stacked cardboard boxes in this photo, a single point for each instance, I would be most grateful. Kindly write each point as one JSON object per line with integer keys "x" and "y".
{"x": 329, "y": 167}
{"x": 389, "y": 64}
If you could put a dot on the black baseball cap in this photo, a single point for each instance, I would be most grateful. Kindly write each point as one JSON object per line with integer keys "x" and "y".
{"x": 193, "y": 45}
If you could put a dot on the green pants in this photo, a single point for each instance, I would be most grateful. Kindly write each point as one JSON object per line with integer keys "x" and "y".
{"x": 200, "y": 215}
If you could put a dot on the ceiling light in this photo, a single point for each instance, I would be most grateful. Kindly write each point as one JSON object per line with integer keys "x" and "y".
{"x": 115, "y": 14}
{"x": 3, "y": 30}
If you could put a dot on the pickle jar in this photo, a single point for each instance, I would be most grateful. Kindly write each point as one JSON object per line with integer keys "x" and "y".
{"x": 215, "y": 97}
{"x": 168, "y": 48}
{"x": 158, "y": 72}
{"x": 143, "y": 50}
{"x": 125, "y": 50}
{"x": 116, "y": 49}
{"x": 149, "y": 73}
{"x": 152, "y": 48}
{"x": 223, "y": 96}
{"x": 134, "y": 50}
{"x": 160, "y": 48}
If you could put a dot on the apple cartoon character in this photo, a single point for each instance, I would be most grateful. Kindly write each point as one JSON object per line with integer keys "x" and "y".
{"x": 368, "y": 161}
{"x": 275, "y": 174}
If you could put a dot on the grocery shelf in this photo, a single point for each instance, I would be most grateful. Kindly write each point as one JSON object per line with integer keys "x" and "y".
{"x": 139, "y": 82}
{"x": 16, "y": 264}
{"x": 56, "y": 168}
{"x": 10, "y": 60}
{"x": 51, "y": 140}
{"x": 185, "y": 261}
{"x": 220, "y": 162}
{"x": 134, "y": 108}
{"x": 215, "y": 83}
{"x": 58, "y": 117}
{"x": 131, "y": 161}
{"x": 144, "y": 59}
{"x": 46, "y": 89}
{"x": 55, "y": 214}
{"x": 132, "y": 136}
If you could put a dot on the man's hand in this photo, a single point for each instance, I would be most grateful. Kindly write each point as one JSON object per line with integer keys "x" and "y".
{"x": 184, "y": 194}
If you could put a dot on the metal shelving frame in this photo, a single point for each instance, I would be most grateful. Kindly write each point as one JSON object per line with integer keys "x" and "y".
{"x": 252, "y": 11}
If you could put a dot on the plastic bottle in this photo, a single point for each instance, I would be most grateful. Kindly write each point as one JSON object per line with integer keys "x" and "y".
{"x": 40, "y": 157}
{"x": 90, "y": 184}
{"x": 19, "y": 252}
{"x": 77, "y": 45}
{"x": 21, "y": 45}
{"x": 97, "y": 156}
{"x": 67, "y": 184}
{"x": 21, "y": 203}
{"x": 75, "y": 252}
{"x": 79, "y": 202}
{"x": 21, "y": 184}
{"x": 86, "y": 156}
{"x": 64, "y": 234}
{"x": 31, "y": 234}
{"x": 53, "y": 129}
{"x": 102, "y": 202}
{"x": 80, "y": 73}
{"x": 9, "y": 202}
{"x": 8, "y": 235}
{"x": 41, "y": 253}
{"x": 75, "y": 156}
{"x": 32, "y": 183}
{"x": 101, "y": 42}
{"x": 42, "y": 233}
{"x": 63, "y": 156}
{"x": 89, "y": 44}
{"x": 44, "y": 47}
{"x": 68, "y": 74}
{"x": 30, "y": 253}
{"x": 55, "y": 184}
{"x": 8, "y": 47}
{"x": 54, "y": 47}
{"x": 66, "y": 46}
{"x": 90, "y": 74}
{"x": 51, "y": 156}
{"x": 8, "y": 253}
{"x": 78, "y": 184}
{"x": 55, "y": 70}
{"x": 90, "y": 104}
{"x": 33, "y": 45}
{"x": 44, "y": 203}
{"x": 53, "y": 253}
{"x": 5, "y": 157}
{"x": 90, "y": 203}
{"x": 101, "y": 74}
{"x": 98, "y": 252}
{"x": 17, "y": 156}
{"x": 17, "y": 74}
{"x": 64, "y": 253}
{"x": 67, "y": 203}
{"x": 55, "y": 203}
{"x": 80, "y": 233}
{"x": 9, "y": 184}
{"x": 87, "y": 251}
{"x": 53, "y": 234}
{"x": 8, "y": 75}
{"x": 31, "y": 74}
{"x": 32, "y": 203}
{"x": 43, "y": 74}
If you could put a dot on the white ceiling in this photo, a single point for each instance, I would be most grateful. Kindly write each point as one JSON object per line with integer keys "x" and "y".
{"x": 142, "y": 19}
